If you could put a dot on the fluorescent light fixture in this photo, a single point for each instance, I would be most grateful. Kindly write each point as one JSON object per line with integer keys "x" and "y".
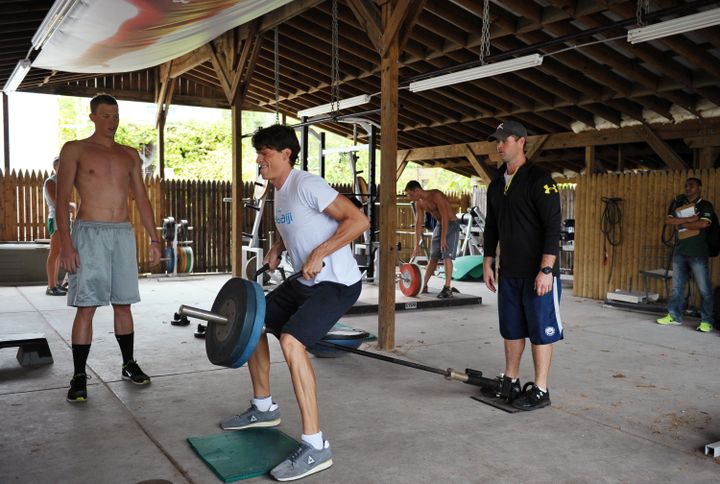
{"x": 53, "y": 19}
{"x": 696, "y": 21}
{"x": 488, "y": 70}
{"x": 330, "y": 107}
{"x": 17, "y": 76}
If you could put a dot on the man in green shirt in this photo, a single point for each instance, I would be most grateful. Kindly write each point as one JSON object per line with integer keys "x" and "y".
{"x": 691, "y": 216}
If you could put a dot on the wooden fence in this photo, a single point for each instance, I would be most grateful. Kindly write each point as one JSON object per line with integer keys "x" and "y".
{"x": 645, "y": 200}
{"x": 204, "y": 204}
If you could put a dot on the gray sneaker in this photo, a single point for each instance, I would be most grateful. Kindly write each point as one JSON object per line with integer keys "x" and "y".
{"x": 252, "y": 417}
{"x": 304, "y": 461}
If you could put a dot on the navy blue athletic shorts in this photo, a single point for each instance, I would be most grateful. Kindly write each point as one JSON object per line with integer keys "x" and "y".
{"x": 308, "y": 312}
{"x": 524, "y": 314}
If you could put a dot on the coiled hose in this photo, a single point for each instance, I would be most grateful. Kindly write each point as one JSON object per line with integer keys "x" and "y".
{"x": 612, "y": 229}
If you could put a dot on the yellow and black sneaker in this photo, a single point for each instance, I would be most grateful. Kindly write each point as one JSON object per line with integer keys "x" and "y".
{"x": 132, "y": 372}
{"x": 78, "y": 388}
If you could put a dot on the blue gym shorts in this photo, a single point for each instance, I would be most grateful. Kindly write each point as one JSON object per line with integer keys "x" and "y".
{"x": 308, "y": 312}
{"x": 524, "y": 314}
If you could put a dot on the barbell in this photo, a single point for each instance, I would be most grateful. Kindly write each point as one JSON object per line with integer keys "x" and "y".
{"x": 237, "y": 321}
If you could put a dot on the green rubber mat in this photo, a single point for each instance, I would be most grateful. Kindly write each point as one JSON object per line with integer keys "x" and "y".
{"x": 371, "y": 337}
{"x": 244, "y": 454}
{"x": 468, "y": 267}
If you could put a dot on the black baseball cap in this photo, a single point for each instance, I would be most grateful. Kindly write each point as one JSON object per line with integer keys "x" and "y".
{"x": 508, "y": 128}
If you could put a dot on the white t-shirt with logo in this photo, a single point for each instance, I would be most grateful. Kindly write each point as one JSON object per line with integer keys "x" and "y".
{"x": 303, "y": 226}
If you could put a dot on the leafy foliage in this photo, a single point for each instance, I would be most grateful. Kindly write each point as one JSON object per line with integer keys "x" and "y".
{"x": 203, "y": 150}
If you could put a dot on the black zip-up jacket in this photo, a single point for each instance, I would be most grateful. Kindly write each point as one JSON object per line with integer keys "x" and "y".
{"x": 525, "y": 219}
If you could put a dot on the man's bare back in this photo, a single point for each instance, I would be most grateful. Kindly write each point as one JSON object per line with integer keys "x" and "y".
{"x": 102, "y": 178}
{"x": 435, "y": 202}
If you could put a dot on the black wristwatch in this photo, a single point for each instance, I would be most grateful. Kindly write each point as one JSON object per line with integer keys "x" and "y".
{"x": 546, "y": 270}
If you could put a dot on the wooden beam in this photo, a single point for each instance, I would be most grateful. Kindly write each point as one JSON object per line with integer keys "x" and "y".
{"x": 167, "y": 87}
{"x": 237, "y": 191}
{"x": 6, "y": 132}
{"x": 369, "y": 18}
{"x": 631, "y": 134}
{"x": 416, "y": 8}
{"x": 397, "y": 18}
{"x": 250, "y": 69}
{"x": 279, "y": 16}
{"x": 590, "y": 160}
{"x": 663, "y": 150}
{"x": 485, "y": 171}
{"x": 222, "y": 74}
{"x": 536, "y": 145}
{"x": 189, "y": 61}
{"x": 250, "y": 45}
{"x": 702, "y": 141}
{"x": 707, "y": 156}
{"x": 401, "y": 164}
{"x": 389, "y": 68}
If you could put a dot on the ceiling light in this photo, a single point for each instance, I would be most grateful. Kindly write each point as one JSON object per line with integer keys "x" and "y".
{"x": 17, "y": 76}
{"x": 330, "y": 107}
{"x": 695, "y": 21}
{"x": 488, "y": 70}
{"x": 53, "y": 19}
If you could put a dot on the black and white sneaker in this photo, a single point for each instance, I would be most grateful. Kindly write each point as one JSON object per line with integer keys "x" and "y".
{"x": 532, "y": 398}
{"x": 445, "y": 293}
{"x": 132, "y": 372}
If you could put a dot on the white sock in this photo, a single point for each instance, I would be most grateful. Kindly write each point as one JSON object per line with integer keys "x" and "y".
{"x": 263, "y": 404}
{"x": 544, "y": 390}
{"x": 316, "y": 440}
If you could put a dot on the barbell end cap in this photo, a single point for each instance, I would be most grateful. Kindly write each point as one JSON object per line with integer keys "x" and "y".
{"x": 456, "y": 375}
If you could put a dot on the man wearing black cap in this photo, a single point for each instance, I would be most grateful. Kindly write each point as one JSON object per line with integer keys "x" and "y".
{"x": 523, "y": 216}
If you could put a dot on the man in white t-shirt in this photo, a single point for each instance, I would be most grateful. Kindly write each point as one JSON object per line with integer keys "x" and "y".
{"x": 316, "y": 226}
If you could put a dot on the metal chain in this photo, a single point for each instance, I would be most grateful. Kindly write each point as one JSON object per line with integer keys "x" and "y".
{"x": 276, "y": 33}
{"x": 643, "y": 8}
{"x": 485, "y": 34}
{"x": 335, "y": 74}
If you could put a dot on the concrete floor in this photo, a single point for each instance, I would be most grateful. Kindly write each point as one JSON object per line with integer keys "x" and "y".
{"x": 632, "y": 401}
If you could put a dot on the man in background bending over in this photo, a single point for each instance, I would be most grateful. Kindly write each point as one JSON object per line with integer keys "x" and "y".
{"x": 445, "y": 234}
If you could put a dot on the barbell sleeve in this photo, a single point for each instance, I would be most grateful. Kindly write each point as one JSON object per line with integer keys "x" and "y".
{"x": 198, "y": 313}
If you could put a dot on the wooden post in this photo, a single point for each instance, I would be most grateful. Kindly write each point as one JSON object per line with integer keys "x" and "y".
{"x": 589, "y": 160}
{"x": 161, "y": 146}
{"x": 6, "y": 132}
{"x": 236, "y": 241}
{"x": 388, "y": 198}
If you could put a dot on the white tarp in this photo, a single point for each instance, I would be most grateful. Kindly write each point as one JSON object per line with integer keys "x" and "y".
{"x": 106, "y": 36}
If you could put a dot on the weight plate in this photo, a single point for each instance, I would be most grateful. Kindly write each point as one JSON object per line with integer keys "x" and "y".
{"x": 169, "y": 259}
{"x": 410, "y": 280}
{"x": 232, "y": 344}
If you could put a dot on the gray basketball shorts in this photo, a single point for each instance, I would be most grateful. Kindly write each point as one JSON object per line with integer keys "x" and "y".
{"x": 453, "y": 234}
{"x": 108, "y": 272}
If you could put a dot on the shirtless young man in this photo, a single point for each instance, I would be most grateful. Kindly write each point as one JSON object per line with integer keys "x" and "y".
{"x": 445, "y": 234}
{"x": 100, "y": 256}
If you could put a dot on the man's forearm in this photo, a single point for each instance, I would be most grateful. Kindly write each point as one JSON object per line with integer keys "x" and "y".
{"x": 148, "y": 219}
{"x": 548, "y": 260}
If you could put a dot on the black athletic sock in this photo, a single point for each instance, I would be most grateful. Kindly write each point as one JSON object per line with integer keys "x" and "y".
{"x": 80, "y": 356}
{"x": 126, "y": 346}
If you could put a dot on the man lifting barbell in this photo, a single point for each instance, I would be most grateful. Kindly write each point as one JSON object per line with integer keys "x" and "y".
{"x": 316, "y": 227}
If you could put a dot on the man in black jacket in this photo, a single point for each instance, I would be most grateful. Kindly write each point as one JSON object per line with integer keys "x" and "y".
{"x": 523, "y": 216}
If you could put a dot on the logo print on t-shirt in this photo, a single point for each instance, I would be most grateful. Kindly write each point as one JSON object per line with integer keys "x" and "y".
{"x": 283, "y": 218}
